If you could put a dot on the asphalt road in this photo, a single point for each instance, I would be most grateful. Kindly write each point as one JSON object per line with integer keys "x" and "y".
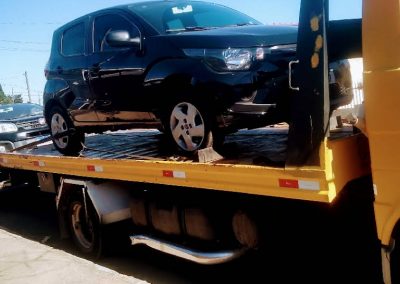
{"x": 295, "y": 259}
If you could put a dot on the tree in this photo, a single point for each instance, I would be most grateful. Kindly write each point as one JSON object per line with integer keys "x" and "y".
{"x": 5, "y": 99}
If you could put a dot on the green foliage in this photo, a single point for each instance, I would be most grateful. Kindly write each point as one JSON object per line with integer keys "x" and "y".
{"x": 5, "y": 99}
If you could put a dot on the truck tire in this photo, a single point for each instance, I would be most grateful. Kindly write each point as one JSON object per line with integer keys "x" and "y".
{"x": 59, "y": 122}
{"x": 85, "y": 229}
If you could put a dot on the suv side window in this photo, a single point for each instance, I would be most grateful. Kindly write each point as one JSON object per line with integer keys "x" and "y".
{"x": 107, "y": 23}
{"x": 73, "y": 40}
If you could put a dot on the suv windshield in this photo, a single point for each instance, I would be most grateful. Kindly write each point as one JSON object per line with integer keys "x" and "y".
{"x": 15, "y": 111}
{"x": 169, "y": 17}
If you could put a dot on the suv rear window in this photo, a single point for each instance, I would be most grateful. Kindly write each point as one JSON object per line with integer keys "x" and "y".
{"x": 73, "y": 40}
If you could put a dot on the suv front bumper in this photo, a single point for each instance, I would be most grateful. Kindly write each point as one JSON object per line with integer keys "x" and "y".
{"x": 251, "y": 108}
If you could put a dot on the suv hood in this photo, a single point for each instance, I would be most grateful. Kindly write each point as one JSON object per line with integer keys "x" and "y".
{"x": 23, "y": 118}
{"x": 246, "y": 36}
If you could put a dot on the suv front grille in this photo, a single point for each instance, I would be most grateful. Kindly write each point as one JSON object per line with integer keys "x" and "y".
{"x": 29, "y": 125}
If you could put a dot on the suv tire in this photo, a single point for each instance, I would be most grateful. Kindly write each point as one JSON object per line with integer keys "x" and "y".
{"x": 190, "y": 126}
{"x": 60, "y": 122}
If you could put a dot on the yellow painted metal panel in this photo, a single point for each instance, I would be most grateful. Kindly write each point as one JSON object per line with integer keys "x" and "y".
{"x": 381, "y": 30}
{"x": 381, "y": 41}
{"x": 235, "y": 178}
{"x": 338, "y": 166}
{"x": 346, "y": 159}
{"x": 382, "y": 100}
{"x": 387, "y": 203}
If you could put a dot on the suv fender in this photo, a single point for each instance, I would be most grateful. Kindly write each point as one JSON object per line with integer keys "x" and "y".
{"x": 59, "y": 91}
{"x": 186, "y": 69}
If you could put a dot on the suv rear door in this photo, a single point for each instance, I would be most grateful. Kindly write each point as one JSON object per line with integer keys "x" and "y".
{"x": 116, "y": 73}
{"x": 71, "y": 67}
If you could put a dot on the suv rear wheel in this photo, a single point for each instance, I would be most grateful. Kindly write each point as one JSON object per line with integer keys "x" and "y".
{"x": 70, "y": 141}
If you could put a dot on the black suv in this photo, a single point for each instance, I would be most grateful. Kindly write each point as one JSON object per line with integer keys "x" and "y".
{"x": 20, "y": 125}
{"x": 194, "y": 70}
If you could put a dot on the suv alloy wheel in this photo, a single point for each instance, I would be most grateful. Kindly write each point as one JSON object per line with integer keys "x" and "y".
{"x": 60, "y": 123}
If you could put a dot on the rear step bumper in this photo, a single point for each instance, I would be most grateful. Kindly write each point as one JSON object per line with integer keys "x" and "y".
{"x": 200, "y": 257}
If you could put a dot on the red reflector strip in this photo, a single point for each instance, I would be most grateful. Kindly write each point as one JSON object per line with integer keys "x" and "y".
{"x": 168, "y": 174}
{"x": 289, "y": 183}
{"x": 93, "y": 168}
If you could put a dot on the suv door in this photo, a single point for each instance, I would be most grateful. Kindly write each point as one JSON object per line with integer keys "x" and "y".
{"x": 71, "y": 66}
{"x": 116, "y": 73}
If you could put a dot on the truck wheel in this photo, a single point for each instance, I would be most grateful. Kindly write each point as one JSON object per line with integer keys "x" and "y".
{"x": 190, "y": 127}
{"x": 59, "y": 122}
{"x": 85, "y": 227}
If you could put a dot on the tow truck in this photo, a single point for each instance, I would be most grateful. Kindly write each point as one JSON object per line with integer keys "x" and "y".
{"x": 216, "y": 207}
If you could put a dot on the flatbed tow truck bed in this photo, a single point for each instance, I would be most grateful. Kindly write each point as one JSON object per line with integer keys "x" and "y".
{"x": 252, "y": 163}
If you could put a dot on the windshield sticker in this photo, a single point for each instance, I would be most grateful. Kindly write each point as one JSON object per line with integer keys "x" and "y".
{"x": 7, "y": 109}
{"x": 181, "y": 10}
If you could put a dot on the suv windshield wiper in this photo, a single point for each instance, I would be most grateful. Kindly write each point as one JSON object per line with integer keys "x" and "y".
{"x": 188, "y": 29}
{"x": 241, "y": 25}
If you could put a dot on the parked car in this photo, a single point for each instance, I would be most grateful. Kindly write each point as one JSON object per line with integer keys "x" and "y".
{"x": 197, "y": 70}
{"x": 21, "y": 124}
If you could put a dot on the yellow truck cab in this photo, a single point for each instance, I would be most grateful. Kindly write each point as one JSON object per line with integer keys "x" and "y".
{"x": 381, "y": 30}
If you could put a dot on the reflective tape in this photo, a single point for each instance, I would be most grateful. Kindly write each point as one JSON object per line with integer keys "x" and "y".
{"x": 39, "y": 163}
{"x": 289, "y": 183}
{"x": 299, "y": 184}
{"x": 174, "y": 174}
{"x": 94, "y": 168}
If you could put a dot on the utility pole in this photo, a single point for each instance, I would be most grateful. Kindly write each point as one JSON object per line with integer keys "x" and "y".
{"x": 27, "y": 87}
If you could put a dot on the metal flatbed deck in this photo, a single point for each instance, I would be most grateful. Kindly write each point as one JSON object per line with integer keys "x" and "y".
{"x": 253, "y": 163}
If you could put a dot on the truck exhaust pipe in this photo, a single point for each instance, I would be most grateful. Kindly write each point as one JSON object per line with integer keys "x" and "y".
{"x": 206, "y": 258}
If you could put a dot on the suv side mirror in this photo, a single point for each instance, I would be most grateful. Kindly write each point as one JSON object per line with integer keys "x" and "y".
{"x": 122, "y": 39}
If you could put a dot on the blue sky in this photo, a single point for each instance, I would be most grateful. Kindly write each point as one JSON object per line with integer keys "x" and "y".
{"x": 26, "y": 29}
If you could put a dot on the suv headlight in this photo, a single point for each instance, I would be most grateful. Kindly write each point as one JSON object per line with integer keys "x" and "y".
{"x": 8, "y": 127}
{"x": 237, "y": 59}
{"x": 231, "y": 59}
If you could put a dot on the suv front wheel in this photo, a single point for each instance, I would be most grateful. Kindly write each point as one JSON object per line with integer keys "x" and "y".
{"x": 190, "y": 126}
{"x": 66, "y": 139}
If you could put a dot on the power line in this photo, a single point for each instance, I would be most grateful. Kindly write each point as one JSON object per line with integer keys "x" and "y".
{"x": 31, "y": 23}
{"x": 24, "y": 42}
{"x": 15, "y": 49}
{"x": 9, "y": 77}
